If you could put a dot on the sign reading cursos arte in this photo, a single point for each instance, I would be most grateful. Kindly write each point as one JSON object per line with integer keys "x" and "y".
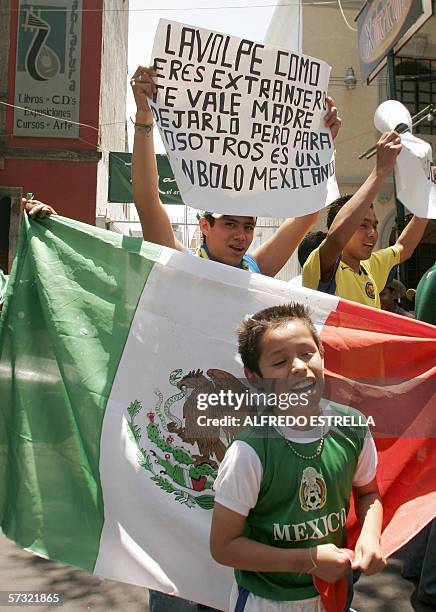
{"x": 47, "y": 78}
{"x": 381, "y": 24}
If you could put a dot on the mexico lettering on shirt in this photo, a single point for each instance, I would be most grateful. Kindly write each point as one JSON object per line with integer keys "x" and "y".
{"x": 315, "y": 529}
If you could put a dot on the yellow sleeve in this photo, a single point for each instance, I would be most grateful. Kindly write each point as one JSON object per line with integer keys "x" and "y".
{"x": 311, "y": 272}
{"x": 381, "y": 265}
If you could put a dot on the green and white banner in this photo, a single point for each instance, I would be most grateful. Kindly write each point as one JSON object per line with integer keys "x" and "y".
{"x": 120, "y": 179}
{"x": 104, "y": 343}
{"x": 96, "y": 335}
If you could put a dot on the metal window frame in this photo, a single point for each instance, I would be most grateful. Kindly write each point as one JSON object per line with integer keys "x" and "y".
{"x": 413, "y": 85}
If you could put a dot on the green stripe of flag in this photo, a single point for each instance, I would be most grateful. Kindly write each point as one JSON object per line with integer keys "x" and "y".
{"x": 75, "y": 289}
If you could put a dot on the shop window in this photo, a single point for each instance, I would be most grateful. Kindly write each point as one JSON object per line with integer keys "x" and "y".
{"x": 416, "y": 87}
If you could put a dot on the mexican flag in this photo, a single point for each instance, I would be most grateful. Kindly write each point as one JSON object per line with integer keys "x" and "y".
{"x": 103, "y": 341}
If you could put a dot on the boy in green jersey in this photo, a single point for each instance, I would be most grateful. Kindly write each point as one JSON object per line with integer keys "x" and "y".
{"x": 282, "y": 494}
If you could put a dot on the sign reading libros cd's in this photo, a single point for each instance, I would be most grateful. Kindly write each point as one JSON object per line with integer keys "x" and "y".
{"x": 47, "y": 79}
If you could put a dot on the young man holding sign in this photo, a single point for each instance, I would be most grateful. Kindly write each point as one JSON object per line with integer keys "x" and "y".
{"x": 226, "y": 237}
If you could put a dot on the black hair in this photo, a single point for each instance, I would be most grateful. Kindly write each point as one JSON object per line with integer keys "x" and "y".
{"x": 310, "y": 242}
{"x": 336, "y": 206}
{"x": 211, "y": 221}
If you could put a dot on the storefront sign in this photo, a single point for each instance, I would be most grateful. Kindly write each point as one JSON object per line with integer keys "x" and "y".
{"x": 47, "y": 78}
{"x": 381, "y": 24}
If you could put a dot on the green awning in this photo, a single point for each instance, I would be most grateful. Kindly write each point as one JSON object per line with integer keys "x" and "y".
{"x": 120, "y": 181}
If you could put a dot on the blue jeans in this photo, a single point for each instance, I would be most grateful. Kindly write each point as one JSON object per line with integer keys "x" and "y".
{"x": 420, "y": 563}
{"x": 161, "y": 602}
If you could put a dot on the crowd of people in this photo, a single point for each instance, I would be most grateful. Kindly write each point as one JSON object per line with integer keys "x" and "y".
{"x": 249, "y": 488}
{"x": 280, "y": 347}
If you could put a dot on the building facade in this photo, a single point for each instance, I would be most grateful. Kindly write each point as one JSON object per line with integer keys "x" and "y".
{"x": 63, "y": 91}
{"x": 326, "y": 35}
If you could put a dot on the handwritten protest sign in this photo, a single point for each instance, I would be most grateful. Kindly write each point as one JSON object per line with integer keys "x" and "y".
{"x": 415, "y": 174}
{"x": 242, "y": 123}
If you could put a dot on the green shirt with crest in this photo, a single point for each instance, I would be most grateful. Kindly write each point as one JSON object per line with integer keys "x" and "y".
{"x": 302, "y": 503}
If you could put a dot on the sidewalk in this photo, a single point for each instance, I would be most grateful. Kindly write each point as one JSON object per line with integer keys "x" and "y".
{"x": 20, "y": 570}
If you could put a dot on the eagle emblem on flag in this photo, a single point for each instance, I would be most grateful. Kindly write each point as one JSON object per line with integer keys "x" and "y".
{"x": 164, "y": 448}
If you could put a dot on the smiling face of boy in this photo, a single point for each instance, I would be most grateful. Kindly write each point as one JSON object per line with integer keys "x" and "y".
{"x": 362, "y": 242}
{"x": 290, "y": 362}
{"x": 229, "y": 238}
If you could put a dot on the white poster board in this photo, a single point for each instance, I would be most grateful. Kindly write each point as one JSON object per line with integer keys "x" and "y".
{"x": 415, "y": 176}
{"x": 242, "y": 123}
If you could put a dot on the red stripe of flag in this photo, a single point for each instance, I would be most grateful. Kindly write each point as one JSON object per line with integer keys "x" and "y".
{"x": 393, "y": 360}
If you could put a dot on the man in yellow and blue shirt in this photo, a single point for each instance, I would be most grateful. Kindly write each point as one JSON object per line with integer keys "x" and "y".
{"x": 344, "y": 263}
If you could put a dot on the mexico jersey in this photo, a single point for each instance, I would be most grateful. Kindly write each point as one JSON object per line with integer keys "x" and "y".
{"x": 363, "y": 286}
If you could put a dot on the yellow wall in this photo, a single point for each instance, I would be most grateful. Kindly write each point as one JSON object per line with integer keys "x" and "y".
{"x": 326, "y": 36}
